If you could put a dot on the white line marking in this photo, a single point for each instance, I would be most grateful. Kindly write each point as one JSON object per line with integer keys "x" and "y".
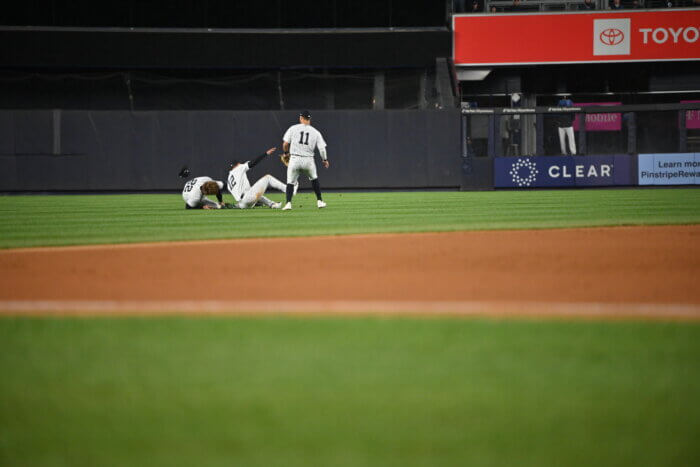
{"x": 321, "y": 307}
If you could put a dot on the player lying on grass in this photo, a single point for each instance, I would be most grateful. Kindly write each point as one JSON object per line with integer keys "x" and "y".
{"x": 247, "y": 196}
{"x": 196, "y": 191}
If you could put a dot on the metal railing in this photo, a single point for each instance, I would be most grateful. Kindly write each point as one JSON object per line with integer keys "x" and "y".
{"x": 493, "y": 132}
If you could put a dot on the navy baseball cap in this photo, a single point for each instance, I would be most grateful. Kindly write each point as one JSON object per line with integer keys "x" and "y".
{"x": 306, "y": 114}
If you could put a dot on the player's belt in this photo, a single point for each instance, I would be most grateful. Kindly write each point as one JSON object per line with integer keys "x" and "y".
{"x": 300, "y": 155}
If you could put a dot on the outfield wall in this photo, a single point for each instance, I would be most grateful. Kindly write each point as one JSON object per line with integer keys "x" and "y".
{"x": 55, "y": 150}
{"x": 597, "y": 170}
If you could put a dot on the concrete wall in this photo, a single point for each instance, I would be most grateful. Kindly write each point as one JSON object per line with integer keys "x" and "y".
{"x": 121, "y": 150}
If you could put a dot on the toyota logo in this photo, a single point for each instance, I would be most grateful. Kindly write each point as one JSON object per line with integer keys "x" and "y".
{"x": 611, "y": 36}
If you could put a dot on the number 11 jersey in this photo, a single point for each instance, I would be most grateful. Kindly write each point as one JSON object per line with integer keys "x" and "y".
{"x": 303, "y": 139}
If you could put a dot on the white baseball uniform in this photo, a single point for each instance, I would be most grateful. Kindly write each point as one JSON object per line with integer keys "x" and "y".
{"x": 247, "y": 196}
{"x": 303, "y": 140}
{"x": 192, "y": 193}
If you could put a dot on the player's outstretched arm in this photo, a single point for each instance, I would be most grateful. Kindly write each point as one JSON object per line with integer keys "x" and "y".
{"x": 257, "y": 160}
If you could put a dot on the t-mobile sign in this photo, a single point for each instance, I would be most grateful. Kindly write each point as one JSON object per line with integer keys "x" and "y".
{"x": 609, "y": 121}
{"x": 692, "y": 117}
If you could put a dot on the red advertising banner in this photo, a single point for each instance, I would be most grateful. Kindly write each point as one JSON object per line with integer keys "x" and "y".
{"x": 627, "y": 35}
{"x": 611, "y": 121}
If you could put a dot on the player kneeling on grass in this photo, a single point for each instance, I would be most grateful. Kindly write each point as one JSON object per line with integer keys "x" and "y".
{"x": 196, "y": 191}
{"x": 247, "y": 196}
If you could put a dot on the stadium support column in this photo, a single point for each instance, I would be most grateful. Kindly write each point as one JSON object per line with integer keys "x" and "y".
{"x": 466, "y": 148}
{"x": 539, "y": 130}
{"x": 631, "y": 119}
{"x": 378, "y": 94}
{"x": 328, "y": 90}
{"x": 56, "y": 150}
{"x": 528, "y": 130}
{"x": 494, "y": 134}
{"x": 682, "y": 132}
{"x": 422, "y": 90}
{"x": 443, "y": 84}
{"x": 498, "y": 133}
{"x": 279, "y": 89}
{"x": 582, "y": 140}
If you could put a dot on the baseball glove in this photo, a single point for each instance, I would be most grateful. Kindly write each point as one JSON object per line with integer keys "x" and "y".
{"x": 184, "y": 172}
{"x": 285, "y": 159}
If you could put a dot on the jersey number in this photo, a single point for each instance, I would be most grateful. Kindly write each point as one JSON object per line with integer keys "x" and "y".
{"x": 231, "y": 182}
{"x": 189, "y": 185}
{"x": 301, "y": 138}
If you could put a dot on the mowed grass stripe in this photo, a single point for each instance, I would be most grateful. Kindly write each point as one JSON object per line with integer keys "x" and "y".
{"x": 94, "y": 219}
{"x": 345, "y": 392}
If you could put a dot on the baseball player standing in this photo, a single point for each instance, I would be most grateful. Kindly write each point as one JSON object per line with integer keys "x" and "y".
{"x": 196, "y": 190}
{"x": 299, "y": 142}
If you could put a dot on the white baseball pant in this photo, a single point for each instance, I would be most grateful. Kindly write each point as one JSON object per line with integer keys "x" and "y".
{"x": 256, "y": 192}
{"x": 567, "y": 132}
{"x": 298, "y": 165}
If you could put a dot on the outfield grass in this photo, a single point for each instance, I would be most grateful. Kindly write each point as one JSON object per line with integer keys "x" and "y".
{"x": 347, "y": 392}
{"x": 77, "y": 219}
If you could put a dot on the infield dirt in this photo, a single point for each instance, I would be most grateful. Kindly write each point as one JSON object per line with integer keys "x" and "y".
{"x": 623, "y": 271}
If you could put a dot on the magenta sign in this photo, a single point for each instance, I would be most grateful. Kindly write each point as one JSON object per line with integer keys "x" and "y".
{"x": 692, "y": 117}
{"x": 600, "y": 122}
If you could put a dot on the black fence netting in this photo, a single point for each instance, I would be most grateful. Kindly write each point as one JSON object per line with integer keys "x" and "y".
{"x": 218, "y": 90}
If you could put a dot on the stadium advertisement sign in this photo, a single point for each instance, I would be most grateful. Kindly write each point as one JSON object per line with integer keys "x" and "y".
{"x": 669, "y": 169}
{"x": 585, "y": 37}
{"x": 563, "y": 171}
{"x": 611, "y": 121}
{"x": 692, "y": 117}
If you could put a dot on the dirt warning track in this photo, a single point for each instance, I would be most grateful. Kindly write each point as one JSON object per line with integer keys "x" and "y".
{"x": 627, "y": 271}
